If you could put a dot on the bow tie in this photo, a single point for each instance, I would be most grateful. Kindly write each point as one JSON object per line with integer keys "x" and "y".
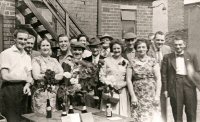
{"x": 179, "y": 55}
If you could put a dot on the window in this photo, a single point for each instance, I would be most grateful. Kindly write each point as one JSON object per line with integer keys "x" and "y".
{"x": 128, "y": 18}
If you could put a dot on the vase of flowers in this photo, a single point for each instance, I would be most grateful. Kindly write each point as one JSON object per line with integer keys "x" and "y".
{"x": 81, "y": 78}
{"x": 45, "y": 89}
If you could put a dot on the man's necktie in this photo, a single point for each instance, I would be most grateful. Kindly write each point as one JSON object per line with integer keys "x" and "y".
{"x": 179, "y": 55}
{"x": 160, "y": 57}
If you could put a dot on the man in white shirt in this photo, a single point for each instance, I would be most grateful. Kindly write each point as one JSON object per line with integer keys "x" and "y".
{"x": 16, "y": 74}
{"x": 157, "y": 50}
{"x": 177, "y": 82}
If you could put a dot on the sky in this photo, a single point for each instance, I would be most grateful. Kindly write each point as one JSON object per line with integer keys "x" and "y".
{"x": 190, "y": 1}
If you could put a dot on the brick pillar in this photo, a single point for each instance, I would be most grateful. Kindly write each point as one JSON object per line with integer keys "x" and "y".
{"x": 175, "y": 15}
{"x": 7, "y": 8}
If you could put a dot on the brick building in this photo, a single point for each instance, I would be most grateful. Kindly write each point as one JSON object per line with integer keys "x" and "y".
{"x": 117, "y": 16}
{"x": 94, "y": 17}
{"x": 7, "y": 22}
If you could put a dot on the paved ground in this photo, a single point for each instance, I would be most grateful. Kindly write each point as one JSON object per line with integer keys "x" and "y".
{"x": 170, "y": 116}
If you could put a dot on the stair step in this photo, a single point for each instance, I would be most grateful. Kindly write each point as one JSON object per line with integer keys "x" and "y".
{"x": 30, "y": 15}
{"x": 21, "y": 7}
{"x": 38, "y": 23}
{"x": 26, "y": 12}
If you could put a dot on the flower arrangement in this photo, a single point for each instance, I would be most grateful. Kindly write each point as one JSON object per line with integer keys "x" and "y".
{"x": 48, "y": 81}
{"x": 81, "y": 77}
{"x": 109, "y": 88}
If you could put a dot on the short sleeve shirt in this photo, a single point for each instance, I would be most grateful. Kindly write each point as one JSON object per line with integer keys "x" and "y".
{"x": 17, "y": 63}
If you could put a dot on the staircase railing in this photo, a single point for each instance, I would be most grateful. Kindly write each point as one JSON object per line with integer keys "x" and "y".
{"x": 63, "y": 17}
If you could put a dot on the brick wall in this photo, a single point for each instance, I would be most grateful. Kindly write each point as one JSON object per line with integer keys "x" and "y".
{"x": 85, "y": 14}
{"x": 175, "y": 15}
{"x": 7, "y": 8}
{"x": 111, "y": 17}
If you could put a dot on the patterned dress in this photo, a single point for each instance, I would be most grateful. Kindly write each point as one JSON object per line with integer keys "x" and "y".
{"x": 144, "y": 86}
{"x": 114, "y": 71}
{"x": 39, "y": 99}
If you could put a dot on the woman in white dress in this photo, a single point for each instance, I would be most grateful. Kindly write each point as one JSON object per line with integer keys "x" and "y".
{"x": 113, "y": 73}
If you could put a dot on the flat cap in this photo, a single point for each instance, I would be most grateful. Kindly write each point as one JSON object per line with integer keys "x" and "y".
{"x": 106, "y": 36}
{"x": 129, "y": 35}
{"x": 78, "y": 45}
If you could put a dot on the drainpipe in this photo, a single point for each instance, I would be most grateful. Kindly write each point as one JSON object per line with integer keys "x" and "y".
{"x": 99, "y": 4}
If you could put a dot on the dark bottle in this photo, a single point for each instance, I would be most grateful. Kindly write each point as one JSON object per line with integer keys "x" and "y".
{"x": 48, "y": 109}
{"x": 64, "y": 112}
{"x": 71, "y": 109}
{"x": 84, "y": 109}
{"x": 108, "y": 110}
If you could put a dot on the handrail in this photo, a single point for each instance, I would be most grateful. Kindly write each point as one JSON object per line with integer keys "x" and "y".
{"x": 42, "y": 20}
{"x": 60, "y": 20}
{"x": 60, "y": 17}
{"x": 70, "y": 16}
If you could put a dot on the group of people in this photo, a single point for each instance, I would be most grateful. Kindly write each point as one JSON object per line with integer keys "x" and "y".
{"x": 143, "y": 72}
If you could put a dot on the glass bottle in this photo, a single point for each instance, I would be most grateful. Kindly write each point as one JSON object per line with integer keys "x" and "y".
{"x": 48, "y": 109}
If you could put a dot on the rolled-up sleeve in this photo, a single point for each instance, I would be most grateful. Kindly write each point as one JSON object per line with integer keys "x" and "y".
{"x": 4, "y": 61}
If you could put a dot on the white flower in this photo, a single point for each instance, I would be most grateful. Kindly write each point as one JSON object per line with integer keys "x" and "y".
{"x": 110, "y": 80}
{"x": 74, "y": 80}
{"x": 67, "y": 74}
{"x": 78, "y": 86}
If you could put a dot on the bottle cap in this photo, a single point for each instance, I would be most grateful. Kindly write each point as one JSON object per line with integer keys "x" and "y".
{"x": 70, "y": 107}
{"x": 84, "y": 108}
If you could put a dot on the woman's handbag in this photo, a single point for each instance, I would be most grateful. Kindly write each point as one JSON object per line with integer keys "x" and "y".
{"x": 111, "y": 99}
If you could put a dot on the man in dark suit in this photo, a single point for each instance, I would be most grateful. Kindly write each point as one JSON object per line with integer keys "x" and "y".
{"x": 177, "y": 82}
{"x": 95, "y": 47}
{"x": 106, "y": 39}
{"x": 95, "y": 58}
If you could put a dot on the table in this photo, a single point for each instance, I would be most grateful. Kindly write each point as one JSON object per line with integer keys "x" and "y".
{"x": 99, "y": 116}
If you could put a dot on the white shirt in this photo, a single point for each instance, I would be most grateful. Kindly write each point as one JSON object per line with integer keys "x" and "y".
{"x": 180, "y": 66}
{"x": 17, "y": 63}
{"x": 86, "y": 53}
{"x": 159, "y": 56}
{"x": 95, "y": 59}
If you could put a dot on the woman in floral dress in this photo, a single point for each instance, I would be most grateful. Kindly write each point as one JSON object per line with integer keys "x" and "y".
{"x": 113, "y": 73}
{"x": 40, "y": 65}
{"x": 144, "y": 71}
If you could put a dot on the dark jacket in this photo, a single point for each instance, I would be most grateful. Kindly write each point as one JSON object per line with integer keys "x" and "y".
{"x": 168, "y": 71}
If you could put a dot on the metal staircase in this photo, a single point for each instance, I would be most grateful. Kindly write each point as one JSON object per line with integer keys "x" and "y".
{"x": 43, "y": 27}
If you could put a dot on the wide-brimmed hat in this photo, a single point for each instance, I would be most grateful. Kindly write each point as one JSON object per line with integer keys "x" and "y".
{"x": 130, "y": 35}
{"x": 94, "y": 41}
{"x": 78, "y": 45}
{"x": 106, "y": 36}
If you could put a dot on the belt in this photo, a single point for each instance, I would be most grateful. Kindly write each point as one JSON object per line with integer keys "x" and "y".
{"x": 180, "y": 76}
{"x": 13, "y": 82}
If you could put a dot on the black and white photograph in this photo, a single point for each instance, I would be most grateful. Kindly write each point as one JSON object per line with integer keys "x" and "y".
{"x": 99, "y": 61}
